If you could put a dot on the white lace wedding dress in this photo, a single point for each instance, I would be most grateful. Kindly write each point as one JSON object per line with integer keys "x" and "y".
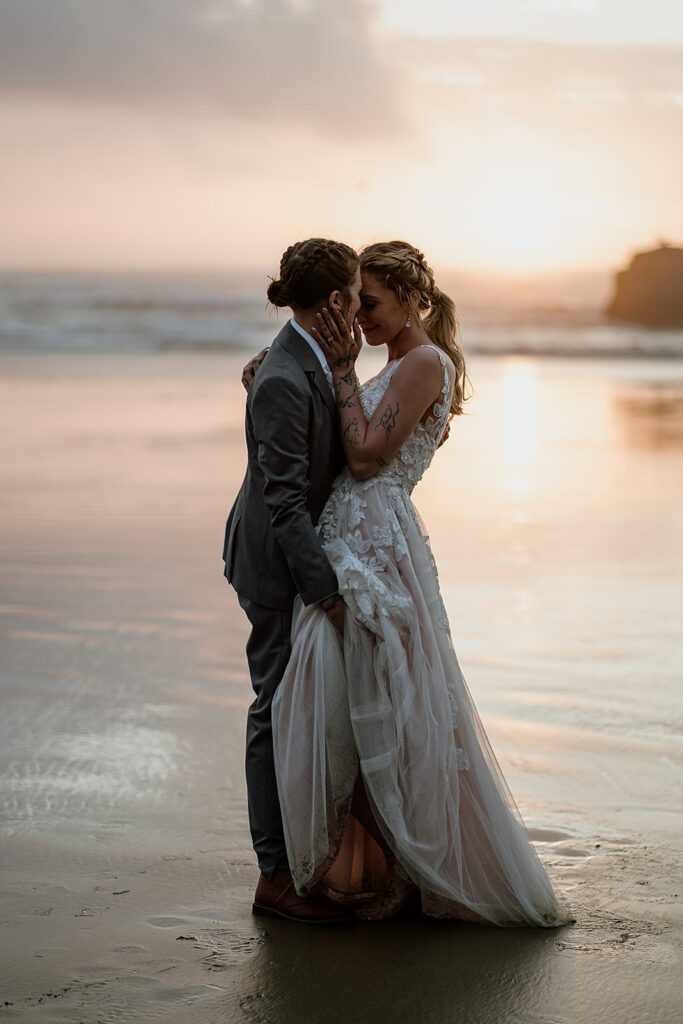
{"x": 389, "y": 697}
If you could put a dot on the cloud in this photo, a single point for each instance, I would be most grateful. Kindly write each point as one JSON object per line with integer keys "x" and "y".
{"x": 319, "y": 65}
{"x": 617, "y": 105}
{"x": 276, "y": 61}
{"x": 538, "y": 73}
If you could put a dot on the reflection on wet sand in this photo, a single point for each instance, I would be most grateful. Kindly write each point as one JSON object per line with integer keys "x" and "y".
{"x": 651, "y": 413}
{"x": 408, "y": 971}
{"x": 520, "y": 424}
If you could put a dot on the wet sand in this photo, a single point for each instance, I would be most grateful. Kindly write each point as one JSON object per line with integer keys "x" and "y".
{"x": 127, "y": 872}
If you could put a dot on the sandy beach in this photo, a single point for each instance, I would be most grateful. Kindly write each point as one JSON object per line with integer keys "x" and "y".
{"x": 127, "y": 872}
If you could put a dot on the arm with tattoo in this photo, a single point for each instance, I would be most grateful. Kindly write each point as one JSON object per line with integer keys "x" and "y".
{"x": 387, "y": 420}
{"x": 415, "y": 385}
{"x": 346, "y": 389}
{"x": 352, "y": 418}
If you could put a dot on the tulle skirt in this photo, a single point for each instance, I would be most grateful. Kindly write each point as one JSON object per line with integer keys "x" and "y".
{"x": 388, "y": 700}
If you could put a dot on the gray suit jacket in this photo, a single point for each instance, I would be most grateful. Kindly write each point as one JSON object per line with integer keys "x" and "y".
{"x": 294, "y": 452}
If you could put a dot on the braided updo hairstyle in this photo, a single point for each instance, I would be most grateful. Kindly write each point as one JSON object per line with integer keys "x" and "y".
{"x": 310, "y": 270}
{"x": 403, "y": 268}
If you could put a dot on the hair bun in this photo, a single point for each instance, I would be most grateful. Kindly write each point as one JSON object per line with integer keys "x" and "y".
{"x": 310, "y": 271}
{"x": 277, "y": 293}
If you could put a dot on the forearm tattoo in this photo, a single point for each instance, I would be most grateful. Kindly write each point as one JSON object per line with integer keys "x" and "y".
{"x": 348, "y": 402}
{"x": 352, "y": 433}
{"x": 388, "y": 420}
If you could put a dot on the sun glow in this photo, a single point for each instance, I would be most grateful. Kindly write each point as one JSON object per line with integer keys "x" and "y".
{"x": 508, "y": 202}
{"x": 529, "y": 207}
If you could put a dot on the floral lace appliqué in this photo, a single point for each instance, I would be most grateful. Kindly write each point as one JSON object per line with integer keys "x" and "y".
{"x": 361, "y": 551}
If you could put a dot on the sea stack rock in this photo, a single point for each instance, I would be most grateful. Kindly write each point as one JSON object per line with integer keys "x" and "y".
{"x": 650, "y": 291}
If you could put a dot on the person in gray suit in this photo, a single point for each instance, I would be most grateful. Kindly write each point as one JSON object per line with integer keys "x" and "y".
{"x": 272, "y": 551}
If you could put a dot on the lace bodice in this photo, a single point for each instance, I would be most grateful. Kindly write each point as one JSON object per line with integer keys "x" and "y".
{"x": 365, "y": 523}
{"x": 408, "y": 466}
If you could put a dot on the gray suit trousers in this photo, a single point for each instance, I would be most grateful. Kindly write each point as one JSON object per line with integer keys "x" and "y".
{"x": 268, "y": 651}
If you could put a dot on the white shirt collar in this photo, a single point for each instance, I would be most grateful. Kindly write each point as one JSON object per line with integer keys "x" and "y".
{"x": 317, "y": 349}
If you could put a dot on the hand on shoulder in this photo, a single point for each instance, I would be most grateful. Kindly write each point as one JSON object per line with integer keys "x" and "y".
{"x": 249, "y": 370}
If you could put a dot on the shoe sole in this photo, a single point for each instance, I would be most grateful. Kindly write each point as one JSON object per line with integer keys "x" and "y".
{"x": 260, "y": 911}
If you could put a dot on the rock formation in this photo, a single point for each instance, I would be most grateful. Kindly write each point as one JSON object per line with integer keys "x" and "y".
{"x": 650, "y": 291}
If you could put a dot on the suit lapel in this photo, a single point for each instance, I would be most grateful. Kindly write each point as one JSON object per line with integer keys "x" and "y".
{"x": 298, "y": 347}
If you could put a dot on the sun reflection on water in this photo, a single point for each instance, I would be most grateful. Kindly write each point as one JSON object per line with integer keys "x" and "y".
{"x": 519, "y": 411}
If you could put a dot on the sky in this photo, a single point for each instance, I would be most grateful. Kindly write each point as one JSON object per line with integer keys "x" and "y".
{"x": 523, "y": 135}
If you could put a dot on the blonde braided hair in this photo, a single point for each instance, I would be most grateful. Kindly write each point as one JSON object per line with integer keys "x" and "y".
{"x": 403, "y": 268}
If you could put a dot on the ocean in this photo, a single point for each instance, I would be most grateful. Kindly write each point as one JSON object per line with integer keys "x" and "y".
{"x": 222, "y": 311}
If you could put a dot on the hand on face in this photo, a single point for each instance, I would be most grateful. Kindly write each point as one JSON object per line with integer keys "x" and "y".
{"x": 340, "y": 343}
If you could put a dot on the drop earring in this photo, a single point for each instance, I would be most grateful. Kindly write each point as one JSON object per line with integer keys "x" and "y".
{"x": 408, "y": 321}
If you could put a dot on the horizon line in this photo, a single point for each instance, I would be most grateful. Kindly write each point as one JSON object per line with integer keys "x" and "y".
{"x": 213, "y": 268}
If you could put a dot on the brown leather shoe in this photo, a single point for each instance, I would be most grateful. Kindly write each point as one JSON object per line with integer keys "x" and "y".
{"x": 279, "y": 898}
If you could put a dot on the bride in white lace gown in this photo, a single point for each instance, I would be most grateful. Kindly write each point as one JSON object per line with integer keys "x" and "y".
{"x": 387, "y": 703}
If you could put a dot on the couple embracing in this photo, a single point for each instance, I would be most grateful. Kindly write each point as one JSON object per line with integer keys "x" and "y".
{"x": 371, "y": 783}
